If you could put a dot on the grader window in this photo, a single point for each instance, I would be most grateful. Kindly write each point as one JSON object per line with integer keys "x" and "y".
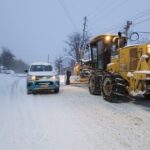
{"x": 100, "y": 46}
{"x": 114, "y": 50}
{"x": 94, "y": 55}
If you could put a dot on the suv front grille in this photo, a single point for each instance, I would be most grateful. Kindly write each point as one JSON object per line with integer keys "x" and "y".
{"x": 43, "y": 77}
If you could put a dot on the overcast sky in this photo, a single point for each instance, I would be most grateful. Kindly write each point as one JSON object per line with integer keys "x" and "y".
{"x": 32, "y": 29}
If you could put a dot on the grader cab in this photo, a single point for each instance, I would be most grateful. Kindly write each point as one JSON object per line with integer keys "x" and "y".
{"x": 119, "y": 70}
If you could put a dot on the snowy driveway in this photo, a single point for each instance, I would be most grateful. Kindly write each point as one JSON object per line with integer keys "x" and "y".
{"x": 70, "y": 120}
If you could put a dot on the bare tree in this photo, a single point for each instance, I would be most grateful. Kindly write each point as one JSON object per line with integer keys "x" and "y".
{"x": 19, "y": 66}
{"x": 59, "y": 64}
{"x": 75, "y": 44}
{"x": 7, "y": 58}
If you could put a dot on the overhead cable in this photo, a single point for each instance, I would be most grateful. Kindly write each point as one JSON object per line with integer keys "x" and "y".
{"x": 63, "y": 5}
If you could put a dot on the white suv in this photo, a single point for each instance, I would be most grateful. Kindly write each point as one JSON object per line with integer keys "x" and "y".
{"x": 42, "y": 77}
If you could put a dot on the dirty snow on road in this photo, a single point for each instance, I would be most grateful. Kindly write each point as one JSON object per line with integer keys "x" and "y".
{"x": 70, "y": 120}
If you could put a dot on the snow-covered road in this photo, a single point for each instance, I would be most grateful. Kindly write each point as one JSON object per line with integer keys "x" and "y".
{"x": 70, "y": 120}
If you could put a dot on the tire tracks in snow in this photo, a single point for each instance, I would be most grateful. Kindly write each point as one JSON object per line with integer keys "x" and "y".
{"x": 126, "y": 122}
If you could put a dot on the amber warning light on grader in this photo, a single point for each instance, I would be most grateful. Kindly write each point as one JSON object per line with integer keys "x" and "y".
{"x": 107, "y": 38}
{"x": 148, "y": 49}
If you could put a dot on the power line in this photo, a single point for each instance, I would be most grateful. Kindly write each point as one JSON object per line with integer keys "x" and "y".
{"x": 141, "y": 14}
{"x": 143, "y": 32}
{"x": 148, "y": 19}
{"x": 108, "y": 9}
{"x": 63, "y": 5}
{"x": 97, "y": 9}
{"x": 135, "y": 17}
{"x": 114, "y": 28}
{"x": 117, "y": 5}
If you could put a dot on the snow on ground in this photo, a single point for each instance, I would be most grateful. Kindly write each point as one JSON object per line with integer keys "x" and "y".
{"x": 70, "y": 120}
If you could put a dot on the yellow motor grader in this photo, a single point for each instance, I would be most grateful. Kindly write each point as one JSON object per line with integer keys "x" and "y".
{"x": 119, "y": 70}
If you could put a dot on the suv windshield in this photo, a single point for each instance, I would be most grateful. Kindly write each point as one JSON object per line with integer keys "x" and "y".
{"x": 41, "y": 68}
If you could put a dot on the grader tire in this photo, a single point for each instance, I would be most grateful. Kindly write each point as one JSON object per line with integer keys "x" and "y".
{"x": 147, "y": 96}
{"x": 92, "y": 88}
{"x": 109, "y": 89}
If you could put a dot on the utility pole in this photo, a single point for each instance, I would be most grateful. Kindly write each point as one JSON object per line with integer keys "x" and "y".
{"x": 127, "y": 27}
{"x": 84, "y": 29}
{"x": 83, "y": 38}
{"x": 48, "y": 58}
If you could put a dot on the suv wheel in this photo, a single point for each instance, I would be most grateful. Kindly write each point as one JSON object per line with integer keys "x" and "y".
{"x": 57, "y": 90}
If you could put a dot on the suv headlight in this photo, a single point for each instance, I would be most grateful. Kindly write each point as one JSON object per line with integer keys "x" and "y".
{"x": 55, "y": 77}
{"x": 29, "y": 77}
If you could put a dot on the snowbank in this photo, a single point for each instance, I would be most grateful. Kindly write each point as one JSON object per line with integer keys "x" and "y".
{"x": 62, "y": 79}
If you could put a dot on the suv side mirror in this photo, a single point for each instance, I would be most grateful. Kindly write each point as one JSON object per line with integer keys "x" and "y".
{"x": 26, "y": 71}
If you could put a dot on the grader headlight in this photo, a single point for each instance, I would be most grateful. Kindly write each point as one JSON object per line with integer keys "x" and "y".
{"x": 148, "y": 49}
{"x": 108, "y": 38}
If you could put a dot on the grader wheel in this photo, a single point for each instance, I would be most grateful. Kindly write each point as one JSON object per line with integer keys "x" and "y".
{"x": 147, "y": 96}
{"x": 92, "y": 86}
{"x": 111, "y": 89}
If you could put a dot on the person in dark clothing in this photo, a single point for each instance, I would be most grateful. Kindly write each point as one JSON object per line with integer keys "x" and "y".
{"x": 121, "y": 40}
{"x": 68, "y": 74}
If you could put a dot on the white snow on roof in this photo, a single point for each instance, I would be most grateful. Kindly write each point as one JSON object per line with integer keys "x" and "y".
{"x": 41, "y": 73}
{"x": 40, "y": 63}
